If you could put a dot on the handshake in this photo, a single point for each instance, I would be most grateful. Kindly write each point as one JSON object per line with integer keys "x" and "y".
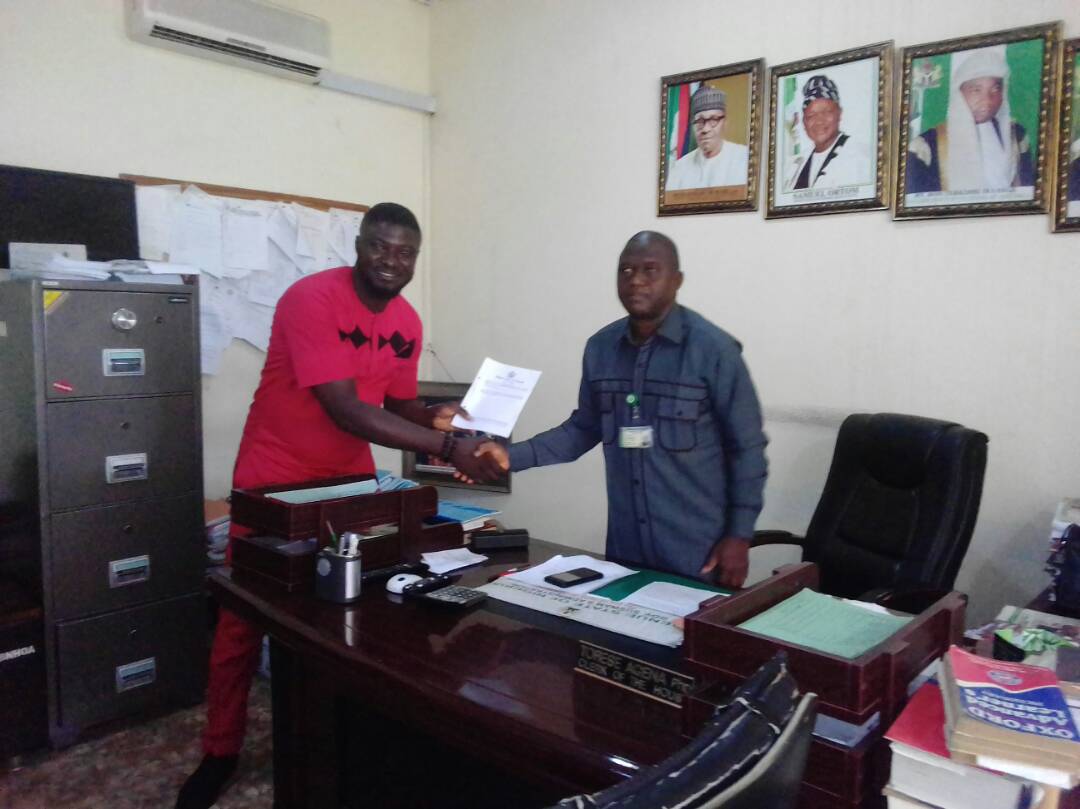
{"x": 479, "y": 460}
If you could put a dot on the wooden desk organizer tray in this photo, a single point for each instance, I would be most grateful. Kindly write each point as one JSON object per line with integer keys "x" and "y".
{"x": 852, "y": 690}
{"x": 407, "y": 508}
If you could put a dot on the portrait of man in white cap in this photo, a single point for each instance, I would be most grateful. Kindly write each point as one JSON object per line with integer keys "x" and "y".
{"x": 979, "y": 147}
{"x": 716, "y": 161}
{"x": 837, "y": 159}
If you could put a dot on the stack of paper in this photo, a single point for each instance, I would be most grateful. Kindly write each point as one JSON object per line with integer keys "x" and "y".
{"x": 560, "y": 564}
{"x": 832, "y": 625}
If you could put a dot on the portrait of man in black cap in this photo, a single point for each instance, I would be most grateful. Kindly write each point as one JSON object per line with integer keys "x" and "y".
{"x": 716, "y": 161}
{"x": 836, "y": 159}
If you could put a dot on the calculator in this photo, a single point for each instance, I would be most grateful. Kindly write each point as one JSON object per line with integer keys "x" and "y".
{"x": 439, "y": 590}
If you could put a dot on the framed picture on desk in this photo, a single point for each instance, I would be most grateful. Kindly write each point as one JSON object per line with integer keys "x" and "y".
{"x": 433, "y": 471}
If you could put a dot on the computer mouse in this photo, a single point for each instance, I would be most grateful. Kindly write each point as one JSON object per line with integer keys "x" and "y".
{"x": 395, "y": 584}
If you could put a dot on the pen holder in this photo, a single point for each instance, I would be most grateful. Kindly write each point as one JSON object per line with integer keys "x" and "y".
{"x": 337, "y": 577}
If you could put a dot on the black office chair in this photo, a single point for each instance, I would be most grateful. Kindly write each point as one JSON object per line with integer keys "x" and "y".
{"x": 898, "y": 509}
{"x": 750, "y": 755}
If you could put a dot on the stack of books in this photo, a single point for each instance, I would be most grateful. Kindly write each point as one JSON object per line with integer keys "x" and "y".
{"x": 1009, "y": 717}
{"x": 924, "y": 774}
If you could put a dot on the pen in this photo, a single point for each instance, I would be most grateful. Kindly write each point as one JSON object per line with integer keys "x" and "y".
{"x": 333, "y": 537}
{"x": 507, "y": 572}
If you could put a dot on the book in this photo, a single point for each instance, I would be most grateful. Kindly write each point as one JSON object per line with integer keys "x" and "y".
{"x": 471, "y": 517}
{"x": 924, "y": 772}
{"x": 1011, "y": 714}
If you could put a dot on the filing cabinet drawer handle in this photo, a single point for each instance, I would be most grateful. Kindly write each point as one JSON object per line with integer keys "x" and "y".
{"x": 133, "y": 570}
{"x": 135, "y": 674}
{"x": 123, "y": 361}
{"x": 126, "y": 468}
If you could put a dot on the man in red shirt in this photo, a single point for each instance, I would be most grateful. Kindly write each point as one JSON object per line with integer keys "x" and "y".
{"x": 340, "y": 373}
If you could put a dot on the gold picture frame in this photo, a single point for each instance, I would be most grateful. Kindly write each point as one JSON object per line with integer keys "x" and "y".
{"x": 845, "y": 165}
{"x": 691, "y": 180}
{"x": 1066, "y": 214}
{"x": 942, "y": 167}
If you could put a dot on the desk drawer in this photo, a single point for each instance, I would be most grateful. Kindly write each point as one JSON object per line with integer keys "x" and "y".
{"x": 108, "y": 343}
{"x": 109, "y": 558}
{"x": 112, "y": 450}
{"x": 127, "y": 661}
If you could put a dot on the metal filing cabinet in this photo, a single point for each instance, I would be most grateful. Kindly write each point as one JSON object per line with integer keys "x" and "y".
{"x": 101, "y": 469}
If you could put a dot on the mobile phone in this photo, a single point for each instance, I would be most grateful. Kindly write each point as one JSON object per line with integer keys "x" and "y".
{"x": 569, "y": 578}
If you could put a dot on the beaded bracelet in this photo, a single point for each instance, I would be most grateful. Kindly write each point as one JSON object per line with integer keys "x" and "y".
{"x": 449, "y": 444}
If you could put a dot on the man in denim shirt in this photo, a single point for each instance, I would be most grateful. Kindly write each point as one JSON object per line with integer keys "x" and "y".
{"x": 669, "y": 396}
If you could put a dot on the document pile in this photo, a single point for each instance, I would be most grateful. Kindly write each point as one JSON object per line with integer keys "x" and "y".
{"x": 1009, "y": 717}
{"x": 836, "y": 626}
{"x": 59, "y": 267}
{"x": 439, "y": 562}
{"x": 528, "y": 589}
{"x": 924, "y": 774}
{"x": 392, "y": 483}
{"x": 471, "y": 517}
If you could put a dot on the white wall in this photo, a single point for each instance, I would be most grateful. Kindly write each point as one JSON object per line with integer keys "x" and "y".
{"x": 78, "y": 95}
{"x": 544, "y": 163}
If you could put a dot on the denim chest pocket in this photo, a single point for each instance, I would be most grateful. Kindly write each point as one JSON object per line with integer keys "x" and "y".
{"x": 676, "y": 422}
{"x": 606, "y": 402}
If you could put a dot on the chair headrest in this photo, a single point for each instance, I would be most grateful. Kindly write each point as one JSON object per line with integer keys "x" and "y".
{"x": 896, "y": 448}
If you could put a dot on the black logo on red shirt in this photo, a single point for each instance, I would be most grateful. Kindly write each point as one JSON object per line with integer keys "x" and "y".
{"x": 402, "y": 348}
{"x": 356, "y": 337}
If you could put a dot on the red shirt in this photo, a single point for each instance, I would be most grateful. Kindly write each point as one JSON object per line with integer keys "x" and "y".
{"x": 323, "y": 333}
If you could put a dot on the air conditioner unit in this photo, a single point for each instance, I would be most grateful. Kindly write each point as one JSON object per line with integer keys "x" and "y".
{"x": 251, "y": 33}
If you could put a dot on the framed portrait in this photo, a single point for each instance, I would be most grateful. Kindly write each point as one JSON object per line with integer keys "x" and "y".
{"x": 433, "y": 471}
{"x": 710, "y": 139}
{"x": 975, "y": 123}
{"x": 829, "y": 133}
{"x": 1067, "y": 198}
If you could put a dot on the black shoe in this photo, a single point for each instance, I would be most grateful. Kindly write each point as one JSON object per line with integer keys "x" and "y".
{"x": 202, "y": 788}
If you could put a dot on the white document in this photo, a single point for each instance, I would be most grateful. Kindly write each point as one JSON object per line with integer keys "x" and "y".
{"x": 252, "y": 322}
{"x": 196, "y": 233}
{"x": 282, "y": 229}
{"x": 266, "y": 288}
{"x": 154, "y": 207}
{"x": 60, "y": 267}
{"x": 496, "y": 398}
{"x": 626, "y": 619}
{"x": 560, "y": 564}
{"x": 341, "y": 237}
{"x": 214, "y": 338}
{"x": 169, "y": 268}
{"x": 311, "y": 231}
{"x": 245, "y": 240}
{"x": 445, "y": 561}
{"x": 35, "y": 256}
{"x": 676, "y": 599}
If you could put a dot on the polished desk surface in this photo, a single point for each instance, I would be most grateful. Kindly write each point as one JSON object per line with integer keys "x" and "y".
{"x": 495, "y": 679}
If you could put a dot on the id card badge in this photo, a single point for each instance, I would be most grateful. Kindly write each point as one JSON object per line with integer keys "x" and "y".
{"x": 635, "y": 437}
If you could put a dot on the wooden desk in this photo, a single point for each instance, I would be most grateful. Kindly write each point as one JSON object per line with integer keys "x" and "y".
{"x": 496, "y": 681}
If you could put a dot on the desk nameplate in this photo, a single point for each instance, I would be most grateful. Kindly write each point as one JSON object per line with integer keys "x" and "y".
{"x": 655, "y": 682}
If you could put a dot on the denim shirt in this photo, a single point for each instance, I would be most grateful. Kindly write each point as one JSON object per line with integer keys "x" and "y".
{"x": 703, "y": 477}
